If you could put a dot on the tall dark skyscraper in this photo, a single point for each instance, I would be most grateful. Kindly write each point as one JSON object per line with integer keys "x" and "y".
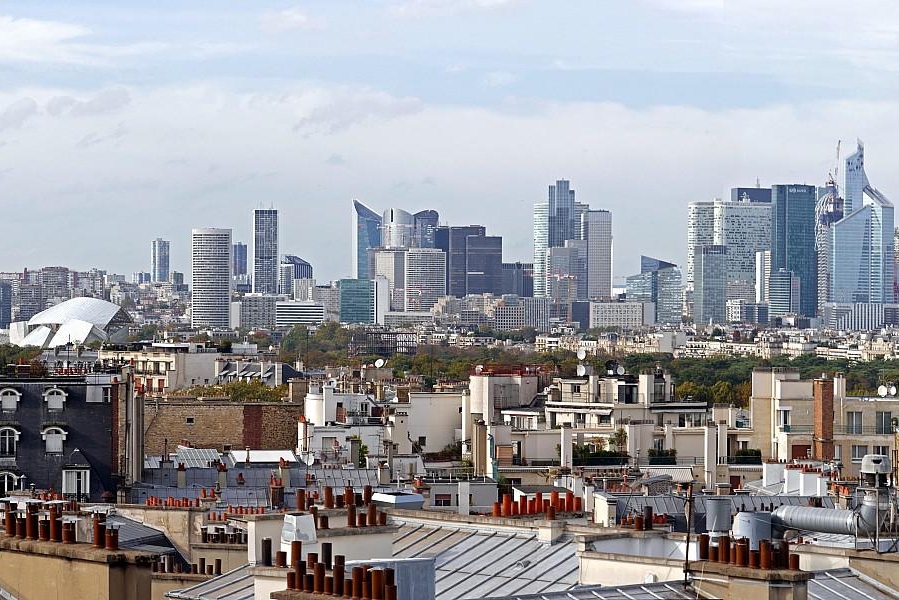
{"x": 793, "y": 239}
{"x": 265, "y": 251}
{"x": 426, "y": 223}
{"x": 474, "y": 260}
{"x": 518, "y": 279}
{"x": 484, "y": 264}
{"x": 239, "y": 259}
{"x": 5, "y": 304}
{"x": 366, "y": 235}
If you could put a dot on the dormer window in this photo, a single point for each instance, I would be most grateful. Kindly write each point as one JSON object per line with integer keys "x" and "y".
{"x": 9, "y": 399}
{"x": 55, "y": 399}
{"x": 53, "y": 439}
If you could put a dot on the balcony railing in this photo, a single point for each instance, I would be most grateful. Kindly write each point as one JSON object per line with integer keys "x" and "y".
{"x": 863, "y": 429}
{"x": 795, "y": 428}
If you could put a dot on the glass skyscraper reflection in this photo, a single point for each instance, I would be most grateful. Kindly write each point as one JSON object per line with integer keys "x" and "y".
{"x": 862, "y": 252}
{"x": 793, "y": 239}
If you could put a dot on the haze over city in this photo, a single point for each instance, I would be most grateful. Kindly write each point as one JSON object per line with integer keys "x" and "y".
{"x": 120, "y": 123}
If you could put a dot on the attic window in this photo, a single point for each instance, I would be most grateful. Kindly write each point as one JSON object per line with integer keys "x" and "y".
{"x": 189, "y": 420}
{"x": 55, "y": 399}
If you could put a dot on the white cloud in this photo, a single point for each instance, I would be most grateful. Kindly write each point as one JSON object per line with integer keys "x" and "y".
{"x": 17, "y": 113}
{"x": 427, "y": 8}
{"x": 290, "y": 19}
{"x": 31, "y": 40}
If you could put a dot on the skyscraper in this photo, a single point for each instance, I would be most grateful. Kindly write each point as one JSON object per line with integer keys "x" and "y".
{"x": 425, "y": 278}
{"x": 855, "y": 180}
{"x": 211, "y": 277}
{"x": 366, "y": 235}
{"x": 391, "y": 265}
{"x": 265, "y": 251}
{"x": 862, "y": 252}
{"x": 473, "y": 260}
{"x": 828, "y": 212}
{"x": 484, "y": 264}
{"x": 518, "y": 279}
{"x": 5, "y": 304}
{"x": 793, "y": 239}
{"x": 784, "y": 293}
{"x": 659, "y": 282}
{"x": 239, "y": 259}
{"x": 710, "y": 285}
{"x": 398, "y": 229}
{"x": 159, "y": 260}
{"x": 744, "y": 226}
{"x": 292, "y": 268}
{"x": 596, "y": 231}
{"x": 426, "y": 222}
{"x": 700, "y": 232}
{"x": 555, "y": 220}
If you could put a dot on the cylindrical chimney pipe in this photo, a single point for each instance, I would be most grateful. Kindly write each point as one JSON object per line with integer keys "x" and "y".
{"x": 99, "y": 534}
{"x": 311, "y": 559}
{"x": 703, "y": 546}
{"x": 357, "y": 582}
{"x": 291, "y": 580}
{"x": 723, "y": 549}
{"x": 338, "y": 573}
{"x": 794, "y": 562}
{"x": 351, "y": 515}
{"x": 318, "y": 572}
{"x": 326, "y": 554}
{"x": 296, "y": 552}
{"x": 366, "y": 494}
{"x": 112, "y": 538}
{"x": 377, "y": 584}
{"x": 267, "y": 552}
{"x": 647, "y": 517}
{"x": 329, "y": 497}
{"x": 324, "y": 522}
{"x": 280, "y": 559}
{"x": 765, "y": 554}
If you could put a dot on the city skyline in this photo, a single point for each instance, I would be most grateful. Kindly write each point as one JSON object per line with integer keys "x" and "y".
{"x": 147, "y": 118}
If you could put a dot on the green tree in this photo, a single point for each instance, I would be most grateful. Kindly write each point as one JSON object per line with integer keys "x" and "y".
{"x": 722, "y": 393}
{"x": 619, "y": 439}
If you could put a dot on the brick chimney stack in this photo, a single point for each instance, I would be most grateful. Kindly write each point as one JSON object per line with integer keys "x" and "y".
{"x": 822, "y": 444}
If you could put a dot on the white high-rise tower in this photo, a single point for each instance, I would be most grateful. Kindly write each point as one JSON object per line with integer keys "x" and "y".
{"x": 265, "y": 251}
{"x": 211, "y": 277}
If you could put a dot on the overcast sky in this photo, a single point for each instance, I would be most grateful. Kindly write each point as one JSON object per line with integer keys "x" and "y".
{"x": 125, "y": 121}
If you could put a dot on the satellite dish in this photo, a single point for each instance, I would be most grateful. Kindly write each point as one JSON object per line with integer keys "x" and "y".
{"x": 620, "y": 370}
{"x": 478, "y": 369}
{"x": 581, "y": 354}
{"x": 379, "y": 363}
{"x": 882, "y": 391}
{"x": 892, "y": 390}
{"x": 581, "y": 370}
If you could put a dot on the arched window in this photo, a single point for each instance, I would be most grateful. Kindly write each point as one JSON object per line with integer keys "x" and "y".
{"x": 9, "y": 399}
{"x": 8, "y": 482}
{"x": 9, "y": 438}
{"x": 53, "y": 438}
{"x": 55, "y": 399}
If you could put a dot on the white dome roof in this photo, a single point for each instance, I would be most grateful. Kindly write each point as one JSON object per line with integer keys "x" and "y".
{"x": 92, "y": 310}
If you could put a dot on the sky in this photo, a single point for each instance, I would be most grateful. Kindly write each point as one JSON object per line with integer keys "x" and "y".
{"x": 122, "y": 122}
